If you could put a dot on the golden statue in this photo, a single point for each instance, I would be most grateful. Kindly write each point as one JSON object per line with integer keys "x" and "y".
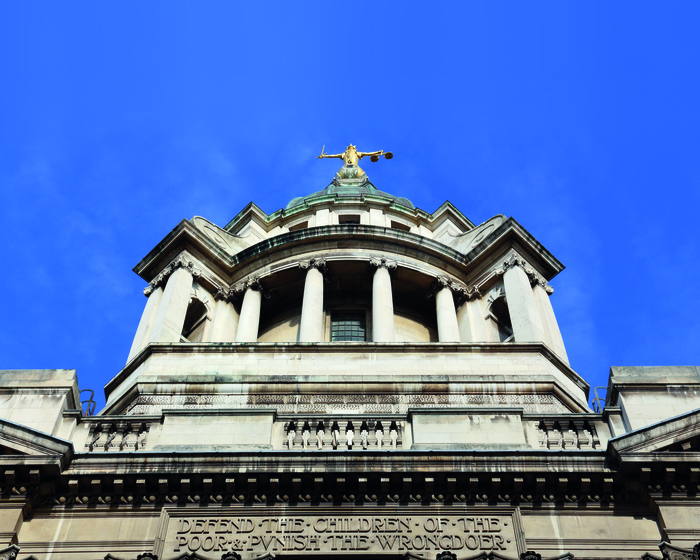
{"x": 350, "y": 157}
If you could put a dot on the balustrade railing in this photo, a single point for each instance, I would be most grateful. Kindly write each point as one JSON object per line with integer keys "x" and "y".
{"x": 355, "y": 433}
{"x": 116, "y": 435}
{"x": 563, "y": 433}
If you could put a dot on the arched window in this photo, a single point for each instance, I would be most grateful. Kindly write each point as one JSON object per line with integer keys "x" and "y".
{"x": 195, "y": 321}
{"x": 501, "y": 316}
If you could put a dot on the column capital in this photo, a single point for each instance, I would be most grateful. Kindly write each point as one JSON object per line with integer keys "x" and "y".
{"x": 535, "y": 278}
{"x": 250, "y": 283}
{"x": 383, "y": 262}
{"x": 318, "y": 263}
{"x": 226, "y": 294}
{"x": 182, "y": 261}
{"x": 460, "y": 291}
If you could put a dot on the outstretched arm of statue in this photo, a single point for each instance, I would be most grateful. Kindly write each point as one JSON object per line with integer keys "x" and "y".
{"x": 339, "y": 156}
{"x": 363, "y": 154}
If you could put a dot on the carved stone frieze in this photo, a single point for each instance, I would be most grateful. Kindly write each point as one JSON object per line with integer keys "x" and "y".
{"x": 536, "y": 279}
{"x": 354, "y": 404}
{"x": 183, "y": 261}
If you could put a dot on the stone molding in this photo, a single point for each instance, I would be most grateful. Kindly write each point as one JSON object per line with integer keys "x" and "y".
{"x": 328, "y": 488}
{"x": 536, "y": 279}
{"x": 383, "y": 262}
{"x": 183, "y": 261}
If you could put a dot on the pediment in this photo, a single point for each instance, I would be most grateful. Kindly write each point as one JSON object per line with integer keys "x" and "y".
{"x": 16, "y": 439}
{"x": 680, "y": 434}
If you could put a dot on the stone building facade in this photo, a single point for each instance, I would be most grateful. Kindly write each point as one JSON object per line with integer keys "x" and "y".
{"x": 350, "y": 376}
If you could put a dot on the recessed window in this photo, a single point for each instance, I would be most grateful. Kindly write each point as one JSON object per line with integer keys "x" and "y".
{"x": 297, "y": 227}
{"x": 349, "y": 219}
{"x": 399, "y": 226}
{"x": 501, "y": 315}
{"x": 348, "y": 327}
{"x": 195, "y": 320}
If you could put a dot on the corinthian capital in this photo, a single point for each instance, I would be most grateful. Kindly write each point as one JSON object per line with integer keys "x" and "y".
{"x": 536, "y": 279}
{"x": 252, "y": 283}
{"x": 316, "y": 262}
{"x": 182, "y": 261}
{"x": 383, "y": 262}
{"x": 460, "y": 291}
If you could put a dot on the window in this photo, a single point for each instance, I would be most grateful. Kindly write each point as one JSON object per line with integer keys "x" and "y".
{"x": 501, "y": 315}
{"x": 349, "y": 219}
{"x": 195, "y": 320}
{"x": 400, "y": 226}
{"x": 297, "y": 227}
{"x": 348, "y": 327}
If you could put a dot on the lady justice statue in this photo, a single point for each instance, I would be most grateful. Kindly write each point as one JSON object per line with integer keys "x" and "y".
{"x": 350, "y": 157}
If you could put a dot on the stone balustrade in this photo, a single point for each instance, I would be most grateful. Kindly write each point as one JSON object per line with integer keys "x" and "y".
{"x": 342, "y": 434}
{"x": 117, "y": 435}
{"x": 567, "y": 433}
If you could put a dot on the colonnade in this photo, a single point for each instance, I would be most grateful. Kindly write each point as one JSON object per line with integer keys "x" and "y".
{"x": 530, "y": 311}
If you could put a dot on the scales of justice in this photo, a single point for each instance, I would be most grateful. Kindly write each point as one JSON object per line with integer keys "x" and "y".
{"x": 351, "y": 172}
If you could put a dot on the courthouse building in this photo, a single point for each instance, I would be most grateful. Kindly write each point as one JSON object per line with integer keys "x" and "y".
{"x": 350, "y": 376}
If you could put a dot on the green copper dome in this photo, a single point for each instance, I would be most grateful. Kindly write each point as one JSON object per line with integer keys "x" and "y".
{"x": 349, "y": 189}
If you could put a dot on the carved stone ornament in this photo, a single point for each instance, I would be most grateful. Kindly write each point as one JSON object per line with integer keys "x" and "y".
{"x": 536, "y": 279}
{"x": 383, "y": 262}
{"x": 227, "y": 294}
{"x": 460, "y": 291}
{"x": 671, "y": 552}
{"x": 180, "y": 262}
{"x": 231, "y": 556}
{"x": 446, "y": 555}
{"x": 316, "y": 262}
{"x": 253, "y": 283}
{"x": 530, "y": 555}
{"x": 9, "y": 553}
{"x": 147, "y": 556}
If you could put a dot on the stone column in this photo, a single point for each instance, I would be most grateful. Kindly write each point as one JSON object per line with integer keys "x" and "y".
{"x": 311, "y": 325}
{"x": 383, "y": 328}
{"x": 249, "y": 319}
{"x": 472, "y": 325}
{"x": 524, "y": 314}
{"x": 144, "y": 329}
{"x": 172, "y": 308}
{"x": 225, "y": 321}
{"x": 554, "y": 340}
{"x": 448, "y": 328}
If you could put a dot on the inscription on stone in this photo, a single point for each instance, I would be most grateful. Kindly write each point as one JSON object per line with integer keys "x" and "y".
{"x": 400, "y": 534}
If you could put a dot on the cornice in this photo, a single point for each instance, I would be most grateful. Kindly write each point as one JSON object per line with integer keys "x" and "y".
{"x": 186, "y": 236}
{"x": 358, "y": 347}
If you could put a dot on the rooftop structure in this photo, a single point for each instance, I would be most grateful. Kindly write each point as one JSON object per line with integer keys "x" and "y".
{"x": 350, "y": 376}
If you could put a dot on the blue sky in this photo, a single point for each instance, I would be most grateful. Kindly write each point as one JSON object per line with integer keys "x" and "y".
{"x": 581, "y": 120}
